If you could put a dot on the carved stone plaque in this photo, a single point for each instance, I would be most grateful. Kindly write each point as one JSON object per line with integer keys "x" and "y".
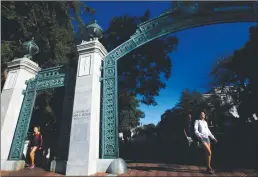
{"x": 80, "y": 124}
{"x": 81, "y": 115}
{"x": 11, "y": 79}
{"x": 84, "y": 67}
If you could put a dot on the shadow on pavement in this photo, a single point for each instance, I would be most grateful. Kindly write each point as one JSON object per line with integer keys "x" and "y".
{"x": 166, "y": 169}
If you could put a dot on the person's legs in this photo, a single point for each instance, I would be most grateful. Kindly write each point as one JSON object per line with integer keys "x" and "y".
{"x": 206, "y": 145}
{"x": 32, "y": 156}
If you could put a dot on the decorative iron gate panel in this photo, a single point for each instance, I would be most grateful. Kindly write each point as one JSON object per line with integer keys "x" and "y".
{"x": 45, "y": 79}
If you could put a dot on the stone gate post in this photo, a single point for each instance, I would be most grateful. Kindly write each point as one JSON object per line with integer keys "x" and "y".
{"x": 84, "y": 137}
{"x": 19, "y": 70}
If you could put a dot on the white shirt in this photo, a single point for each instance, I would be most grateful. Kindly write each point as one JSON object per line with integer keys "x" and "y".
{"x": 201, "y": 129}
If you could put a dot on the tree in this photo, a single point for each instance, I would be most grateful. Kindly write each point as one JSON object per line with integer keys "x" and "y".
{"x": 191, "y": 103}
{"x": 214, "y": 105}
{"x": 129, "y": 114}
{"x": 170, "y": 126}
{"x": 149, "y": 129}
{"x": 50, "y": 24}
{"x": 139, "y": 131}
{"x": 240, "y": 72}
{"x": 141, "y": 70}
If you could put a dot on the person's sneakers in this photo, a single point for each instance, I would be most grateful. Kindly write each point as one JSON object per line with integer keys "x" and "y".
{"x": 210, "y": 171}
{"x": 32, "y": 166}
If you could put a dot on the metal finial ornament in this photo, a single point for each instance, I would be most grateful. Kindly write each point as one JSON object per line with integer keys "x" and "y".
{"x": 94, "y": 31}
{"x": 30, "y": 48}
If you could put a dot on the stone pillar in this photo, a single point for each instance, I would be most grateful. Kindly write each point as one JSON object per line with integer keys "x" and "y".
{"x": 20, "y": 70}
{"x": 84, "y": 137}
{"x": 65, "y": 125}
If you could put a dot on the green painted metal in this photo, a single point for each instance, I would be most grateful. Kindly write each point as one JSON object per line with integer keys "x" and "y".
{"x": 51, "y": 78}
{"x": 184, "y": 15}
{"x": 23, "y": 123}
{"x": 45, "y": 79}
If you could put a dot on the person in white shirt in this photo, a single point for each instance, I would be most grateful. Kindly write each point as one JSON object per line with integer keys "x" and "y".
{"x": 203, "y": 133}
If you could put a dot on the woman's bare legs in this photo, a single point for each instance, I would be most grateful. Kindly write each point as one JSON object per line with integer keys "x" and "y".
{"x": 207, "y": 148}
{"x": 32, "y": 155}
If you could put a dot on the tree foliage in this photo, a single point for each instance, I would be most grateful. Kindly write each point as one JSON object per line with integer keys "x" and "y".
{"x": 213, "y": 104}
{"x": 140, "y": 72}
{"x": 172, "y": 120}
{"x": 50, "y": 24}
{"x": 150, "y": 129}
{"x": 240, "y": 72}
{"x": 129, "y": 114}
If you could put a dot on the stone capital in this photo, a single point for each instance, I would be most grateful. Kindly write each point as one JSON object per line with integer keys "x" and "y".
{"x": 93, "y": 46}
{"x": 23, "y": 63}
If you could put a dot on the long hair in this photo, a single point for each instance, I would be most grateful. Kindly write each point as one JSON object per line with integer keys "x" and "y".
{"x": 38, "y": 127}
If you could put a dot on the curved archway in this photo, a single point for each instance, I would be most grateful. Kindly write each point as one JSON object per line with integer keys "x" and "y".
{"x": 183, "y": 16}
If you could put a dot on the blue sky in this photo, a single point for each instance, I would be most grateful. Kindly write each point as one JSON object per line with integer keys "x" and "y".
{"x": 197, "y": 51}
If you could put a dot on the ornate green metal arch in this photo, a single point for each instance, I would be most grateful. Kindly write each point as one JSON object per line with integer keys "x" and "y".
{"x": 45, "y": 79}
{"x": 183, "y": 16}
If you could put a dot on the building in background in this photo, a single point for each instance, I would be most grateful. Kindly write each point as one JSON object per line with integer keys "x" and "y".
{"x": 226, "y": 98}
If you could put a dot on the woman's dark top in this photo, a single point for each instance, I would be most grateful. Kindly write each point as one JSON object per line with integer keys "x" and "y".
{"x": 37, "y": 140}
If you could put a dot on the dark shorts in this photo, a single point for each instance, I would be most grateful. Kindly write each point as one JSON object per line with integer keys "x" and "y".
{"x": 205, "y": 140}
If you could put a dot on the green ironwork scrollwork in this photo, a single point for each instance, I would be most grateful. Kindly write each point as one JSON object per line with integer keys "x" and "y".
{"x": 51, "y": 78}
{"x": 45, "y": 79}
{"x": 22, "y": 126}
{"x": 183, "y": 16}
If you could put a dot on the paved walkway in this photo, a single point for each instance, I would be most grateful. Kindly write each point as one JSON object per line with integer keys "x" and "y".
{"x": 152, "y": 169}
{"x": 149, "y": 169}
{"x": 29, "y": 172}
{"x": 36, "y": 172}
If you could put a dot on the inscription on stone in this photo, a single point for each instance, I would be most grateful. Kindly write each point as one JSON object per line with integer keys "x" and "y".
{"x": 11, "y": 78}
{"x": 81, "y": 115}
{"x": 80, "y": 125}
{"x": 84, "y": 67}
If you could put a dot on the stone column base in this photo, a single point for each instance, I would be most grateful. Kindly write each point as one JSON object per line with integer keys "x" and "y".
{"x": 103, "y": 164}
{"x": 117, "y": 167}
{"x": 77, "y": 168}
{"x": 60, "y": 166}
{"x": 12, "y": 165}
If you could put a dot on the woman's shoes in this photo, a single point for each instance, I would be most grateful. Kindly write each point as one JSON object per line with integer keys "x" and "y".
{"x": 32, "y": 166}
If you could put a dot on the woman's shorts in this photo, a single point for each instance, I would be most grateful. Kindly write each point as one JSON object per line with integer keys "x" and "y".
{"x": 205, "y": 140}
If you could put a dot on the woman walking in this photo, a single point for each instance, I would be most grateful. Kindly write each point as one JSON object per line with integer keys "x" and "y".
{"x": 203, "y": 133}
{"x": 35, "y": 144}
